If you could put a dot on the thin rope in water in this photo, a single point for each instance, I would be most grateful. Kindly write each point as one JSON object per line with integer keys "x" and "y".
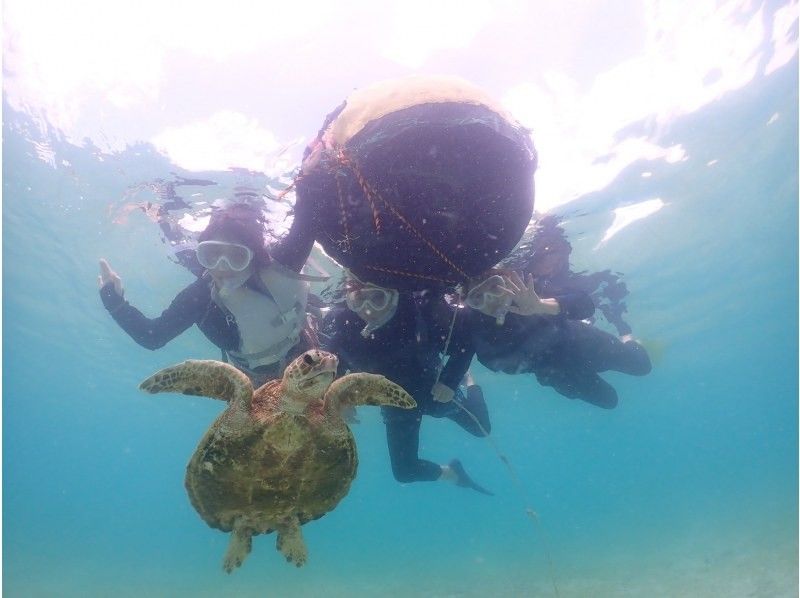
{"x": 529, "y": 511}
{"x": 447, "y": 342}
{"x": 371, "y": 194}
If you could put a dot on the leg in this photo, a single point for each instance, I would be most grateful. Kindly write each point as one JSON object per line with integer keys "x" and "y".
{"x": 290, "y": 542}
{"x": 633, "y": 359}
{"x": 402, "y": 438}
{"x": 601, "y": 351}
{"x": 455, "y": 472}
{"x": 238, "y": 548}
{"x": 468, "y": 380}
{"x": 475, "y": 419}
{"x": 580, "y": 384}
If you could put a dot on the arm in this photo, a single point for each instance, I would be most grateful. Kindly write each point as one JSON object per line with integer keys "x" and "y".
{"x": 186, "y": 309}
{"x": 613, "y": 314}
{"x": 576, "y": 305}
{"x": 573, "y": 305}
{"x": 293, "y": 250}
{"x": 460, "y": 352}
{"x": 456, "y": 368}
{"x": 334, "y": 337}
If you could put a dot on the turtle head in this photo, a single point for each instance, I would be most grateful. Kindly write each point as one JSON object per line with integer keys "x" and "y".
{"x": 310, "y": 375}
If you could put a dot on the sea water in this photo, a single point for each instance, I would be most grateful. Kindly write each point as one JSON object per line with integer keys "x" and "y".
{"x": 687, "y": 488}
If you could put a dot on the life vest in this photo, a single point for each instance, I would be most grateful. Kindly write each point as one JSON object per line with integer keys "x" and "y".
{"x": 270, "y": 321}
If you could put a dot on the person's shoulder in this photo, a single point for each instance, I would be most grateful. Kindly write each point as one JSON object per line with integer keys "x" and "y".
{"x": 339, "y": 315}
{"x": 201, "y": 282}
{"x": 198, "y": 288}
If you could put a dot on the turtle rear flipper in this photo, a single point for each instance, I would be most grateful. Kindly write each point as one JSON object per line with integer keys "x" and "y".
{"x": 238, "y": 548}
{"x": 367, "y": 389}
{"x": 205, "y": 378}
{"x": 290, "y": 542}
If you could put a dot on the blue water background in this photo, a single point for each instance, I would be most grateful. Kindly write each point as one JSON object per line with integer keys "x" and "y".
{"x": 689, "y": 487}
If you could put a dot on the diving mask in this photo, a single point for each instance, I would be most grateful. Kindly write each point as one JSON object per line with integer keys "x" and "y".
{"x": 374, "y": 305}
{"x": 490, "y": 297}
{"x": 369, "y": 297}
{"x": 212, "y": 254}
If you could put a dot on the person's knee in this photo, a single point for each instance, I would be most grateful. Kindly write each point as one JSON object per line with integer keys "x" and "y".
{"x": 404, "y": 473}
{"x": 644, "y": 368}
{"x": 638, "y": 360}
{"x": 640, "y": 365}
{"x": 407, "y": 471}
{"x": 605, "y": 401}
{"x": 599, "y": 393}
{"x": 644, "y": 365}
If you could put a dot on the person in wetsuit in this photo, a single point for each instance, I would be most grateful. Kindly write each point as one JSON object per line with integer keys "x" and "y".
{"x": 401, "y": 336}
{"x": 250, "y": 302}
{"x": 512, "y": 330}
{"x": 546, "y": 257}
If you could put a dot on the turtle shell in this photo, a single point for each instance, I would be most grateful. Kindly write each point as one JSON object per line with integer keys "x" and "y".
{"x": 282, "y": 465}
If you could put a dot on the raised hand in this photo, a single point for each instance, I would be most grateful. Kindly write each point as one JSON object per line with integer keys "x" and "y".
{"x": 525, "y": 301}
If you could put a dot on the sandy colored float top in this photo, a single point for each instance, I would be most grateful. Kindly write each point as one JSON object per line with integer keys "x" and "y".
{"x": 382, "y": 98}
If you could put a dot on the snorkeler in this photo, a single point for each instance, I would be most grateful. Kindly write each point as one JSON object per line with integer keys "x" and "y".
{"x": 402, "y": 336}
{"x": 511, "y": 329}
{"x": 546, "y": 256}
{"x": 251, "y": 301}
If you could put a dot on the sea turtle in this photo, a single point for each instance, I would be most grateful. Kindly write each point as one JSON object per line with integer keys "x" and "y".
{"x": 278, "y": 457}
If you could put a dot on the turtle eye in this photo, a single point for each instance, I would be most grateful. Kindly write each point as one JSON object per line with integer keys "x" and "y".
{"x": 307, "y": 358}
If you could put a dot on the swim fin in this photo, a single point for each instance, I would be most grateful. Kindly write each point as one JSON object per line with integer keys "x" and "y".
{"x": 463, "y": 480}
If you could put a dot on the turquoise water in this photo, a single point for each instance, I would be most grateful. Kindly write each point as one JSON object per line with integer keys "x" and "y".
{"x": 688, "y": 488}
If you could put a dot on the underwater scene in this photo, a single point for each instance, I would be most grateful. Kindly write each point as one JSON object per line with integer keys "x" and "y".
{"x": 479, "y": 299}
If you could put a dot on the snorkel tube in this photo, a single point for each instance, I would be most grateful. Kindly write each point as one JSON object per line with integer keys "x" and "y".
{"x": 373, "y": 323}
{"x": 374, "y": 318}
{"x": 501, "y": 312}
{"x": 494, "y": 303}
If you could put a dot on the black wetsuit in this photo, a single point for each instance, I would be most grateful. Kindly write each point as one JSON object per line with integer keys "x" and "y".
{"x": 407, "y": 351}
{"x": 605, "y": 290}
{"x": 571, "y": 364}
{"x": 194, "y": 305}
{"x": 561, "y": 351}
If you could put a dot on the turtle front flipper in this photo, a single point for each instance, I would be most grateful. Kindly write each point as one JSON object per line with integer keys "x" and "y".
{"x": 290, "y": 541}
{"x": 205, "y": 378}
{"x": 238, "y": 548}
{"x": 367, "y": 389}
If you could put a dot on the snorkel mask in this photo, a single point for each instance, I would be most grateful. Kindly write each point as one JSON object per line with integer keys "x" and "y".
{"x": 220, "y": 255}
{"x": 373, "y": 304}
{"x": 490, "y": 297}
{"x": 229, "y": 263}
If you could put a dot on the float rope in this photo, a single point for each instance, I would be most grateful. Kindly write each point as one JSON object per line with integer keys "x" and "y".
{"x": 342, "y": 211}
{"x": 410, "y": 274}
{"x": 444, "y": 352}
{"x": 529, "y": 511}
{"x": 371, "y": 194}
